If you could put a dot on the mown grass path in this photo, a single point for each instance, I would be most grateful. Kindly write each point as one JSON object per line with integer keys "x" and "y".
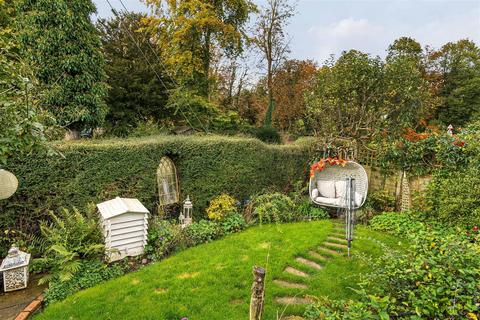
{"x": 212, "y": 281}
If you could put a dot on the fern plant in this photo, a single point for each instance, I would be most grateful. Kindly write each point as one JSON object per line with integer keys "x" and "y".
{"x": 71, "y": 237}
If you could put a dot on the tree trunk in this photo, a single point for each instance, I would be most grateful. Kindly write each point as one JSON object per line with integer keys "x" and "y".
{"x": 258, "y": 293}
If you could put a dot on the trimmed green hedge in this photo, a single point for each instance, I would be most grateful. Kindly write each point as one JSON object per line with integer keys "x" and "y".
{"x": 98, "y": 170}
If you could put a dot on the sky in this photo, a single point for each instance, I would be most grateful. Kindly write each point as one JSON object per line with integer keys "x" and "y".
{"x": 324, "y": 27}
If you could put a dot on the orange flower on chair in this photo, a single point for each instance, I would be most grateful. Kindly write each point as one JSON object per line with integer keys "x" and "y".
{"x": 320, "y": 165}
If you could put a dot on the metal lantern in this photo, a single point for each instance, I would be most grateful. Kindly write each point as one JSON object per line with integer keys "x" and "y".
{"x": 450, "y": 130}
{"x": 8, "y": 184}
{"x": 186, "y": 215}
{"x": 15, "y": 270}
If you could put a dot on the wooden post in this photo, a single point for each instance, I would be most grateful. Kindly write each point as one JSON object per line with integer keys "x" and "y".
{"x": 258, "y": 293}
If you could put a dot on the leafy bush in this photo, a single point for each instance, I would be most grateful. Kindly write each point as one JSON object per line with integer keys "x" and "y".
{"x": 70, "y": 238}
{"x": 202, "y": 231}
{"x": 273, "y": 207}
{"x": 268, "y": 135}
{"x": 307, "y": 211}
{"x": 163, "y": 238}
{"x": 382, "y": 201}
{"x": 89, "y": 274}
{"x": 397, "y": 223}
{"x": 221, "y": 206}
{"x": 97, "y": 170}
{"x": 436, "y": 278}
{"x": 233, "y": 223}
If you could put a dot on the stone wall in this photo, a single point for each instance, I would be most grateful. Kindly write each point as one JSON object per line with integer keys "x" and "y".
{"x": 379, "y": 181}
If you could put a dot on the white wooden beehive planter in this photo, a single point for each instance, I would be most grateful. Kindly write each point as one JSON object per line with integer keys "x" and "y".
{"x": 125, "y": 223}
{"x": 15, "y": 270}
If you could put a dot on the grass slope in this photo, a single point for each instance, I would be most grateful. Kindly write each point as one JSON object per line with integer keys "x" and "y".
{"x": 212, "y": 281}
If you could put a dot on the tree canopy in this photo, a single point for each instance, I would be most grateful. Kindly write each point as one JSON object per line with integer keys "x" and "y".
{"x": 62, "y": 45}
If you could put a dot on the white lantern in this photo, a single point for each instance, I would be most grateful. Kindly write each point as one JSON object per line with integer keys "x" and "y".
{"x": 15, "y": 270}
{"x": 450, "y": 130}
{"x": 8, "y": 184}
{"x": 187, "y": 213}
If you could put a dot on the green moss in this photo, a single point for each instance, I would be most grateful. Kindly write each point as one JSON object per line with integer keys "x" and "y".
{"x": 94, "y": 171}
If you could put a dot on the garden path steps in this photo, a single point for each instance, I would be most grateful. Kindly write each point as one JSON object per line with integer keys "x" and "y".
{"x": 312, "y": 262}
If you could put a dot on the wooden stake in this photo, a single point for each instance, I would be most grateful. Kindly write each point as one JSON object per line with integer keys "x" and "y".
{"x": 258, "y": 293}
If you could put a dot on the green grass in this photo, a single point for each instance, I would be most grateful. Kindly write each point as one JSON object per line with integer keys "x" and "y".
{"x": 212, "y": 281}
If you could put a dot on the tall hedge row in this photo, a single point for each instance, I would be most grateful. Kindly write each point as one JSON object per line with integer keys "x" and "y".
{"x": 94, "y": 171}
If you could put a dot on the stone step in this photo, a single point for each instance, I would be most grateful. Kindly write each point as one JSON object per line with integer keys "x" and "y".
{"x": 336, "y": 239}
{"x": 335, "y": 245}
{"x": 288, "y": 284}
{"x": 317, "y": 255}
{"x": 308, "y": 263}
{"x": 293, "y": 300}
{"x": 327, "y": 251}
{"x": 292, "y": 318}
{"x": 296, "y": 272}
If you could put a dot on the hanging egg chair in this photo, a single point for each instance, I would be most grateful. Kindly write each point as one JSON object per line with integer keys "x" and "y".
{"x": 328, "y": 183}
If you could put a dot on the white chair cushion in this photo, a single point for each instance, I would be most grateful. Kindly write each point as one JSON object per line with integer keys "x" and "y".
{"x": 358, "y": 199}
{"x": 328, "y": 201}
{"x": 314, "y": 193}
{"x": 340, "y": 188}
{"x": 326, "y": 188}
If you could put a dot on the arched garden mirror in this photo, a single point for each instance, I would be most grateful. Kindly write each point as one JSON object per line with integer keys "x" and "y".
{"x": 167, "y": 182}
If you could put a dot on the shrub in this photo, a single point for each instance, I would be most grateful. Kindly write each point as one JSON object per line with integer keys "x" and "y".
{"x": 221, "y": 206}
{"x": 307, "y": 211}
{"x": 381, "y": 201}
{"x": 202, "y": 231}
{"x": 397, "y": 223}
{"x": 233, "y": 223}
{"x": 98, "y": 170}
{"x": 70, "y": 238}
{"x": 163, "y": 238}
{"x": 436, "y": 278}
{"x": 268, "y": 135}
{"x": 89, "y": 274}
{"x": 273, "y": 207}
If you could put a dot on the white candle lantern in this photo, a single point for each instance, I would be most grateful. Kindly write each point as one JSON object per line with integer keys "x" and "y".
{"x": 15, "y": 270}
{"x": 187, "y": 214}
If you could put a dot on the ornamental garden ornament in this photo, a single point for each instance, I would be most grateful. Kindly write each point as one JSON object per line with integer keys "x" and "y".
{"x": 187, "y": 213}
{"x": 8, "y": 184}
{"x": 15, "y": 270}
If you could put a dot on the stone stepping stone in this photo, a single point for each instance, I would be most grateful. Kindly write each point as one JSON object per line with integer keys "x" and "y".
{"x": 317, "y": 255}
{"x": 293, "y": 300}
{"x": 327, "y": 251}
{"x": 336, "y": 239}
{"x": 288, "y": 284}
{"x": 335, "y": 245}
{"x": 296, "y": 272}
{"x": 308, "y": 263}
{"x": 292, "y": 318}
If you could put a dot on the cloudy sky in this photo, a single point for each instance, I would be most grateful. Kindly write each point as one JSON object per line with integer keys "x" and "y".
{"x": 321, "y": 27}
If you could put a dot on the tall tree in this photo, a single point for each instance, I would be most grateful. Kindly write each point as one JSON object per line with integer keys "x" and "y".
{"x": 21, "y": 130}
{"x": 60, "y": 41}
{"x": 291, "y": 81}
{"x": 348, "y": 97}
{"x": 272, "y": 41}
{"x": 136, "y": 78}
{"x": 457, "y": 66}
{"x": 189, "y": 31}
{"x": 408, "y": 93}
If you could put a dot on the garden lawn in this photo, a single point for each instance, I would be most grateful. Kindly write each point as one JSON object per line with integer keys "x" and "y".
{"x": 213, "y": 280}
